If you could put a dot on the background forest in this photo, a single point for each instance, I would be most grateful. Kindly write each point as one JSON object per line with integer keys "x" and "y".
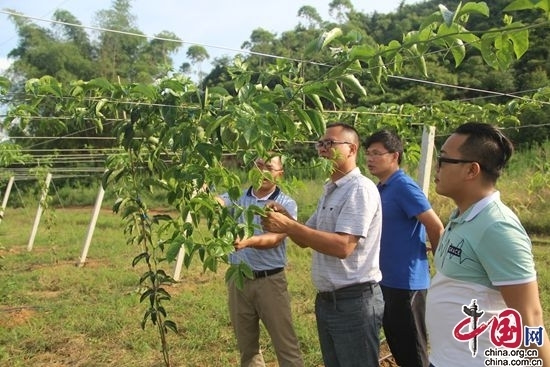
{"x": 69, "y": 53}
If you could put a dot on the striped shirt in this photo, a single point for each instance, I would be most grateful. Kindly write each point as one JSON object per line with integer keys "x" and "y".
{"x": 261, "y": 259}
{"x": 350, "y": 205}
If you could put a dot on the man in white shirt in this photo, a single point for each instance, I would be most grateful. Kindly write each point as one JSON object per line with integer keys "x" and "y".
{"x": 344, "y": 232}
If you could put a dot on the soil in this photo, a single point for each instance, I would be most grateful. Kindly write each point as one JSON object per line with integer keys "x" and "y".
{"x": 386, "y": 359}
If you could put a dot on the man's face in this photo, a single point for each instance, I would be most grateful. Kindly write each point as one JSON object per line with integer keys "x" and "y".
{"x": 334, "y": 145}
{"x": 271, "y": 171}
{"x": 380, "y": 161}
{"x": 449, "y": 177}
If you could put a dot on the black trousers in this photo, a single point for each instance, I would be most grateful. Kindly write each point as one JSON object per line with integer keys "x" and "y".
{"x": 405, "y": 326}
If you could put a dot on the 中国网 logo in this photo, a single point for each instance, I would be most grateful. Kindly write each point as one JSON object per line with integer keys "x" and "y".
{"x": 505, "y": 331}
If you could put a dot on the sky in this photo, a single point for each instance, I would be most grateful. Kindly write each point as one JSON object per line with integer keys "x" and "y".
{"x": 220, "y": 26}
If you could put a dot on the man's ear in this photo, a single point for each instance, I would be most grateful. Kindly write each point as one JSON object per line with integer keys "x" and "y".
{"x": 354, "y": 148}
{"x": 474, "y": 170}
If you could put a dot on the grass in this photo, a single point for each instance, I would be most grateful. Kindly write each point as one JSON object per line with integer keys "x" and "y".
{"x": 53, "y": 313}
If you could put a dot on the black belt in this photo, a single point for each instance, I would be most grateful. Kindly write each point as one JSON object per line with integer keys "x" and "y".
{"x": 266, "y": 273}
{"x": 348, "y": 292}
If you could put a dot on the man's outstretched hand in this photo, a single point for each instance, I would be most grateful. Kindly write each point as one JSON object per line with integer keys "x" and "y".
{"x": 276, "y": 219}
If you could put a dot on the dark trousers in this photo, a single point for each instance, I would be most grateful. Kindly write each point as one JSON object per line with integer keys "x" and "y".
{"x": 348, "y": 322}
{"x": 405, "y": 326}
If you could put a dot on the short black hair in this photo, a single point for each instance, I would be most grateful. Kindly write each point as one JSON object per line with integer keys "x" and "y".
{"x": 487, "y": 145}
{"x": 389, "y": 139}
{"x": 348, "y": 129}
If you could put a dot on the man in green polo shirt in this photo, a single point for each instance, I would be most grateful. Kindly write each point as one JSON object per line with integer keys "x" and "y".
{"x": 485, "y": 268}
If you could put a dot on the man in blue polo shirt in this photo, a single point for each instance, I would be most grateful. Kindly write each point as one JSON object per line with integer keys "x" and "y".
{"x": 265, "y": 297}
{"x": 407, "y": 217}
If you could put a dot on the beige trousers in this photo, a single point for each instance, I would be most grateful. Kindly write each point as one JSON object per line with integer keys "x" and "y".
{"x": 264, "y": 299}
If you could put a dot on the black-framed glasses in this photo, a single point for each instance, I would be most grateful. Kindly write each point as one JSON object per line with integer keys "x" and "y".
{"x": 441, "y": 160}
{"x": 327, "y": 144}
{"x": 267, "y": 167}
{"x": 376, "y": 153}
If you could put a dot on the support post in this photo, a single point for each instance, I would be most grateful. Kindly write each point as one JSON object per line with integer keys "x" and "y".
{"x": 6, "y": 196}
{"x": 181, "y": 255}
{"x": 39, "y": 211}
{"x": 91, "y": 226}
{"x": 425, "y": 166}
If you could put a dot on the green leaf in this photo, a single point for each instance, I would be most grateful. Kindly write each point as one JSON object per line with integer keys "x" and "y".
{"x": 545, "y": 6}
{"x": 5, "y": 84}
{"x": 397, "y": 63}
{"x": 329, "y": 36}
{"x": 148, "y": 293}
{"x": 173, "y": 85}
{"x": 353, "y": 83}
{"x": 145, "y": 276}
{"x": 210, "y": 152}
{"x": 520, "y": 5}
{"x": 471, "y": 7}
{"x": 335, "y": 88}
{"x": 138, "y": 258}
{"x": 206, "y": 98}
{"x": 312, "y": 47}
{"x": 520, "y": 41}
{"x": 376, "y": 68}
{"x": 321, "y": 90}
{"x": 487, "y": 51}
{"x": 362, "y": 52}
{"x": 420, "y": 62}
{"x": 231, "y": 272}
{"x": 147, "y": 91}
{"x": 234, "y": 192}
{"x": 170, "y": 325}
{"x": 316, "y": 100}
{"x": 173, "y": 250}
{"x": 246, "y": 270}
{"x": 146, "y": 317}
{"x": 304, "y": 118}
{"x": 99, "y": 106}
{"x": 458, "y": 50}
{"x": 286, "y": 123}
{"x": 101, "y": 83}
{"x": 317, "y": 121}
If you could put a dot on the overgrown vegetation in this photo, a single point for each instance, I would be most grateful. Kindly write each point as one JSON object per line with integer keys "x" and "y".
{"x": 170, "y": 138}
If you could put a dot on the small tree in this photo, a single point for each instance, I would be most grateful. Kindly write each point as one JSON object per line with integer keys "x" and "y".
{"x": 197, "y": 54}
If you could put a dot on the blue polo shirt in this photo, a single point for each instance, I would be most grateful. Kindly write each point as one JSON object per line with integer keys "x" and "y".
{"x": 403, "y": 258}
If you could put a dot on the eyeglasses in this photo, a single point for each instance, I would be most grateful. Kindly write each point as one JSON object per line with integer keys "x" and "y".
{"x": 376, "y": 153}
{"x": 441, "y": 160}
{"x": 267, "y": 167}
{"x": 327, "y": 144}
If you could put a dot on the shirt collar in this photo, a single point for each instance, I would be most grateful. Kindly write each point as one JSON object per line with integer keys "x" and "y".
{"x": 343, "y": 180}
{"x": 272, "y": 196}
{"x": 392, "y": 178}
{"x": 475, "y": 209}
